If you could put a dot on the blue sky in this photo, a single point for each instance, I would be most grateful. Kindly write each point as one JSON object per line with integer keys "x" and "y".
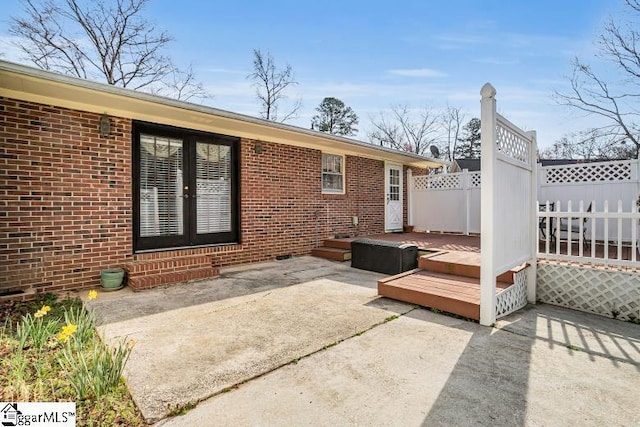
{"x": 374, "y": 54}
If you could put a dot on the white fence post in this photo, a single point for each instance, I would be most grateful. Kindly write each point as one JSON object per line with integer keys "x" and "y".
{"x": 410, "y": 190}
{"x": 532, "y": 271}
{"x": 635, "y": 176}
{"x": 487, "y": 218}
{"x": 466, "y": 189}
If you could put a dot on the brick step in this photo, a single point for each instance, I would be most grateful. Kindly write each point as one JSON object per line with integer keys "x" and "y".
{"x": 171, "y": 277}
{"x": 453, "y": 294}
{"x": 334, "y": 254}
{"x": 337, "y": 243}
{"x": 160, "y": 265}
{"x": 464, "y": 264}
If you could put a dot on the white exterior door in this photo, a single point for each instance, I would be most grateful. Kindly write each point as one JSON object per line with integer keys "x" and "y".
{"x": 393, "y": 197}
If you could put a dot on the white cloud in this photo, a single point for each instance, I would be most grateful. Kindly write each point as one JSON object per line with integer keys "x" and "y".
{"x": 225, "y": 71}
{"x": 417, "y": 72}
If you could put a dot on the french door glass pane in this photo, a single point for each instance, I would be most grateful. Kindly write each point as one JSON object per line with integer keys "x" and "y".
{"x": 161, "y": 186}
{"x": 213, "y": 188}
{"x": 394, "y": 184}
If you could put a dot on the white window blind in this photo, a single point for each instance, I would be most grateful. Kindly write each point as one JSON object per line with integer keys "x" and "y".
{"x": 332, "y": 173}
{"x": 161, "y": 194}
{"x": 213, "y": 188}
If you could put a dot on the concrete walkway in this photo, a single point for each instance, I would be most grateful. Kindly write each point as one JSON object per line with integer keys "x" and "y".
{"x": 543, "y": 366}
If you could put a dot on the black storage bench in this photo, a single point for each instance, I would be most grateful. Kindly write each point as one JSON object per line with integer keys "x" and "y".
{"x": 383, "y": 257}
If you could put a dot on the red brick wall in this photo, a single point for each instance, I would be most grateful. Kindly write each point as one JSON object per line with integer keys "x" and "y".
{"x": 65, "y": 210}
{"x": 283, "y": 210}
{"x": 65, "y": 204}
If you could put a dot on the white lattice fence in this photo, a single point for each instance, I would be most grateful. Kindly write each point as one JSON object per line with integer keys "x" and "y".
{"x": 511, "y": 142}
{"x": 446, "y": 202}
{"x": 589, "y": 172}
{"x": 608, "y": 293}
{"x": 438, "y": 182}
{"x": 476, "y": 179}
{"x": 514, "y": 297}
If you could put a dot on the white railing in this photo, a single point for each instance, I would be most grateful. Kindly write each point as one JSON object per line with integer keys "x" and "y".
{"x": 571, "y": 235}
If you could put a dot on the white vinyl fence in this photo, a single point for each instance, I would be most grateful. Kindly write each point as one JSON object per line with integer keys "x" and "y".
{"x": 600, "y": 183}
{"x": 451, "y": 202}
{"x": 508, "y": 231}
{"x": 570, "y": 234}
{"x": 446, "y": 202}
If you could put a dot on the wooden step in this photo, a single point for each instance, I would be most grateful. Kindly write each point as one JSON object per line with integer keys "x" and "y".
{"x": 465, "y": 264}
{"x": 453, "y": 294}
{"x": 334, "y": 254}
{"x": 338, "y": 243}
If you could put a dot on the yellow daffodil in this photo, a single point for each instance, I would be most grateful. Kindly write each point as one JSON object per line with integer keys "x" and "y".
{"x": 67, "y": 331}
{"x": 69, "y": 328}
{"x": 44, "y": 310}
{"x": 93, "y": 294}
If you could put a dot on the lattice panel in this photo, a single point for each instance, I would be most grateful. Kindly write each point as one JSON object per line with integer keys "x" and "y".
{"x": 589, "y": 172}
{"x": 438, "y": 182}
{"x": 511, "y": 144}
{"x": 514, "y": 297}
{"x": 475, "y": 179}
{"x": 604, "y": 292}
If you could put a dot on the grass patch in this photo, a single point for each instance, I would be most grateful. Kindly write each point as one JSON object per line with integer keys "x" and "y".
{"x": 50, "y": 352}
{"x": 181, "y": 409}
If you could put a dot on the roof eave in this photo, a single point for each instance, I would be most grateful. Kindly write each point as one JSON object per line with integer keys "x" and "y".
{"x": 37, "y": 85}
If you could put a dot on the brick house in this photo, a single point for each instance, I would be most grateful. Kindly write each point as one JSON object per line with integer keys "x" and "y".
{"x": 95, "y": 176}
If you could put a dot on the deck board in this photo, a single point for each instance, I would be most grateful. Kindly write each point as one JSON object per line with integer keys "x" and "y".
{"x": 454, "y": 294}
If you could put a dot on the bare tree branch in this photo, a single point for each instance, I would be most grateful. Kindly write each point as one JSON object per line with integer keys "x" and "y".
{"x": 592, "y": 144}
{"x": 406, "y": 131}
{"x": 99, "y": 39}
{"x": 452, "y": 119}
{"x": 613, "y": 98}
{"x": 270, "y": 83}
{"x": 182, "y": 85}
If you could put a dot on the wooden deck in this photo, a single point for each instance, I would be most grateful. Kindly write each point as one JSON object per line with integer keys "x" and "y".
{"x": 448, "y": 275}
{"x": 458, "y": 242}
{"x": 453, "y": 294}
{"x": 447, "y": 281}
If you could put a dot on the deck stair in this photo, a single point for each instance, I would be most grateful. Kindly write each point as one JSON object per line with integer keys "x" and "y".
{"x": 334, "y": 249}
{"x": 447, "y": 281}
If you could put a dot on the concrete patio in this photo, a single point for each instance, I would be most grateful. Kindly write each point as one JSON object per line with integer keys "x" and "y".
{"x": 361, "y": 359}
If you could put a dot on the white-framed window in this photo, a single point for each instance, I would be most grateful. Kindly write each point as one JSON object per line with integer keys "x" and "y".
{"x": 332, "y": 173}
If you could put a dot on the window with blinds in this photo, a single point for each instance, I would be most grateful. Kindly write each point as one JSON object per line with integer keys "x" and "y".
{"x": 332, "y": 173}
{"x": 186, "y": 188}
{"x": 161, "y": 196}
{"x": 213, "y": 188}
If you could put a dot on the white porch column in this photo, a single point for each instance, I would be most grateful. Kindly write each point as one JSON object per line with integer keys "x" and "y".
{"x": 487, "y": 196}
